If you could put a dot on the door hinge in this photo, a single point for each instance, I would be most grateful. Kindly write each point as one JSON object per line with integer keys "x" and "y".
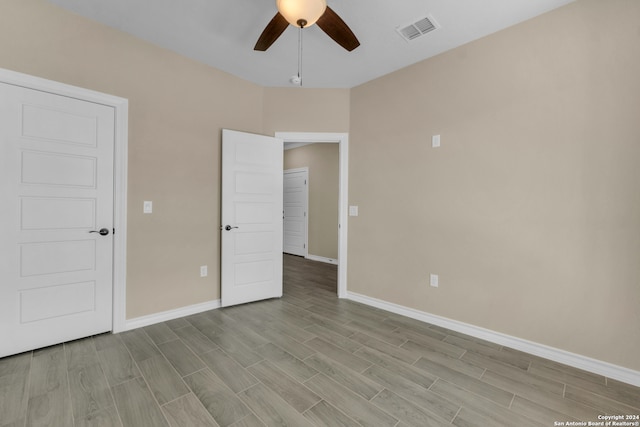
{"x": 114, "y": 231}
{"x": 304, "y": 245}
{"x": 305, "y": 182}
{"x": 305, "y": 214}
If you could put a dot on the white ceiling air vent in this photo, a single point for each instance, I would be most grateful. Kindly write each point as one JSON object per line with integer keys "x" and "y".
{"x": 418, "y": 28}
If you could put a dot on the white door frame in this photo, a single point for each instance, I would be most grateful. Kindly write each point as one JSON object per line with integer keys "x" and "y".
{"x": 121, "y": 108}
{"x": 342, "y": 139}
{"x": 306, "y": 208}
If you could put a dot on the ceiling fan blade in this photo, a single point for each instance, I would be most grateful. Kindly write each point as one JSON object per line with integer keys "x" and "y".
{"x": 338, "y": 30}
{"x": 272, "y": 31}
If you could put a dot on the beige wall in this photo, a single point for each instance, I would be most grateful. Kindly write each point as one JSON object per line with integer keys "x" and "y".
{"x": 324, "y": 173}
{"x": 530, "y": 210}
{"x": 177, "y": 108}
{"x": 305, "y": 110}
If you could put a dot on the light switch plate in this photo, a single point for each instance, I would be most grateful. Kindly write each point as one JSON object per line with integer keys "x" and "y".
{"x": 435, "y": 141}
{"x": 433, "y": 280}
{"x": 353, "y": 211}
{"x": 203, "y": 271}
{"x": 147, "y": 207}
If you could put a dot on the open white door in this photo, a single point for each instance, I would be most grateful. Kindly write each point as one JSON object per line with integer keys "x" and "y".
{"x": 251, "y": 253}
{"x": 56, "y": 218}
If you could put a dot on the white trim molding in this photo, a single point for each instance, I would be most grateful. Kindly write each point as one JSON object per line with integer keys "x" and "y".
{"x": 121, "y": 151}
{"x": 595, "y": 366}
{"x": 343, "y": 196}
{"x": 164, "y": 316}
{"x": 322, "y": 259}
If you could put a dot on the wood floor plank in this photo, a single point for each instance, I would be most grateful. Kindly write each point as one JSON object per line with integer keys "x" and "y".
{"x": 409, "y": 413}
{"x": 293, "y": 366}
{"x": 117, "y": 363}
{"x": 601, "y": 403}
{"x": 164, "y": 382}
{"x": 485, "y": 417}
{"x": 433, "y": 344}
{"x": 48, "y": 371}
{"x": 349, "y": 360}
{"x": 344, "y": 376}
{"x": 398, "y": 367}
{"x": 416, "y": 326}
{"x": 334, "y": 338}
{"x": 89, "y": 389}
{"x": 181, "y": 357}
{"x": 295, "y": 394}
{"x": 50, "y": 409}
{"x": 139, "y": 345}
{"x": 228, "y": 370}
{"x": 218, "y": 399}
{"x": 541, "y": 413}
{"x": 443, "y": 359}
{"x": 336, "y": 327}
{"x": 413, "y": 392}
{"x": 552, "y": 403}
{"x": 249, "y": 421}
{"x": 188, "y": 411}
{"x": 326, "y": 415}
{"x": 81, "y": 353}
{"x": 496, "y": 394}
{"x": 178, "y": 323}
{"x": 136, "y": 405}
{"x": 288, "y": 344}
{"x": 107, "y": 417}
{"x": 235, "y": 348}
{"x": 271, "y": 408}
{"x": 49, "y": 403}
{"x": 195, "y": 340}
{"x": 477, "y": 410}
{"x": 510, "y": 358}
{"x": 14, "y": 390}
{"x": 523, "y": 383}
{"x": 382, "y": 334}
{"x": 160, "y": 333}
{"x": 361, "y": 410}
{"x": 386, "y": 348}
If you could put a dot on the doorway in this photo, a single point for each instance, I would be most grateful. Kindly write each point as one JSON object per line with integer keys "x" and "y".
{"x": 342, "y": 139}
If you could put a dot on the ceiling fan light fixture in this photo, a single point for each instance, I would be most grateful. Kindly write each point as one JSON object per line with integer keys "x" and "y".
{"x": 301, "y": 13}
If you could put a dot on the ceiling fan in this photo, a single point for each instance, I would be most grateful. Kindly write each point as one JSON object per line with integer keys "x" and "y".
{"x": 302, "y": 14}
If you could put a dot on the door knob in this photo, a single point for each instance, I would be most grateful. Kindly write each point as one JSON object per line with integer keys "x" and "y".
{"x": 103, "y": 231}
{"x": 229, "y": 228}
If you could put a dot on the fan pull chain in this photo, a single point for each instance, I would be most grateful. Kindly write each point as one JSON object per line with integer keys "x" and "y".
{"x": 300, "y": 55}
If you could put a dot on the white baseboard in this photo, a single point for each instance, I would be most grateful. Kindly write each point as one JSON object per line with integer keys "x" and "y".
{"x": 322, "y": 259}
{"x": 595, "y": 366}
{"x": 152, "y": 319}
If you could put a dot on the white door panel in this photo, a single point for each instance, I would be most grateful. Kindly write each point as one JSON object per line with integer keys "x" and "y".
{"x": 295, "y": 211}
{"x": 56, "y": 185}
{"x": 251, "y": 256}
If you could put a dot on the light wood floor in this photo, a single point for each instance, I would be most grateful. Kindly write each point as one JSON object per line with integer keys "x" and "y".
{"x": 307, "y": 359}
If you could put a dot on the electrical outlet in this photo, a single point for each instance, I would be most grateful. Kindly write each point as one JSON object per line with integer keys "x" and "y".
{"x": 203, "y": 271}
{"x": 433, "y": 280}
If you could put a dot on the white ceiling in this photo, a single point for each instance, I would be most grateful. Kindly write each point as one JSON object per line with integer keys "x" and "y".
{"x": 222, "y": 33}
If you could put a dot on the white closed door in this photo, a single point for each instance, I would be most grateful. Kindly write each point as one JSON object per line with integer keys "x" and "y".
{"x": 251, "y": 229}
{"x": 56, "y": 192}
{"x": 296, "y": 184}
